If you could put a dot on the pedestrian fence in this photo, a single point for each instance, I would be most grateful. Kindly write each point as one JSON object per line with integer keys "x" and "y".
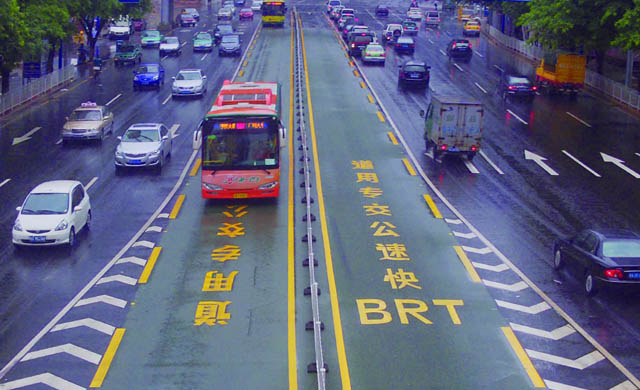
{"x": 35, "y": 87}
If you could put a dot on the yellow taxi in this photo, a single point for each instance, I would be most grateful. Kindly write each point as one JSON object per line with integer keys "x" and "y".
{"x": 471, "y": 28}
{"x": 89, "y": 121}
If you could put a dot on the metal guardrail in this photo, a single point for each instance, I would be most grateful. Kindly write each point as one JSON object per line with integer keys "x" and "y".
{"x": 608, "y": 87}
{"x": 36, "y": 87}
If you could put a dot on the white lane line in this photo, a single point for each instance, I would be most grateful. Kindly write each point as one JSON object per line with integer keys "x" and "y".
{"x": 58, "y": 142}
{"x": 87, "y": 322}
{"x": 183, "y": 43}
{"x": 626, "y": 385}
{"x": 71, "y": 349}
{"x": 479, "y": 86}
{"x": 458, "y": 66}
{"x": 620, "y": 164}
{"x": 517, "y": 117}
{"x": 47, "y": 378}
{"x": 540, "y": 161}
{"x": 90, "y": 183}
{"x": 114, "y": 99}
{"x": 173, "y": 130}
{"x": 163, "y": 215}
{"x": 5, "y": 181}
{"x": 430, "y": 41}
{"x": 637, "y": 154}
{"x": 594, "y": 173}
{"x": 494, "y": 166}
{"x": 166, "y": 100}
{"x": 443, "y": 53}
{"x": 555, "y": 334}
{"x": 472, "y": 168}
{"x": 551, "y": 385}
{"x": 204, "y": 56}
{"x": 580, "y": 363}
{"x": 453, "y": 221}
{"x": 479, "y": 55}
{"x": 499, "y": 68}
{"x": 164, "y": 58}
{"x": 533, "y": 309}
{"x": 578, "y": 119}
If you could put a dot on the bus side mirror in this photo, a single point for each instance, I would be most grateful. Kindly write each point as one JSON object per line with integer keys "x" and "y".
{"x": 421, "y": 113}
{"x": 197, "y": 139}
{"x": 283, "y": 136}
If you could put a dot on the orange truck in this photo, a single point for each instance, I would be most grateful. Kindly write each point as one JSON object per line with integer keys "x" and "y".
{"x": 561, "y": 73}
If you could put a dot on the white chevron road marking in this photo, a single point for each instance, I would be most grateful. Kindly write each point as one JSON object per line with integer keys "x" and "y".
{"x": 626, "y": 385}
{"x": 132, "y": 259}
{"x": 480, "y": 251}
{"x": 551, "y": 385}
{"x": 143, "y": 243}
{"x": 46, "y": 378}
{"x": 109, "y": 300}
{"x": 555, "y": 334}
{"x": 453, "y": 221}
{"x": 89, "y": 323}
{"x": 580, "y": 363}
{"x": 518, "y": 286}
{"x": 156, "y": 229}
{"x": 71, "y": 349}
{"x": 118, "y": 278}
{"x": 494, "y": 268}
{"x": 163, "y": 215}
{"x": 533, "y": 309}
{"x": 464, "y": 235}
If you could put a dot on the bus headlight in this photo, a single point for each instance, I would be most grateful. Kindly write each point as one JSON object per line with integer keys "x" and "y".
{"x": 268, "y": 186}
{"x": 211, "y": 187}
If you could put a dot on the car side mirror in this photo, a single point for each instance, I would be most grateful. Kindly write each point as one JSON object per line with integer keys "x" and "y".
{"x": 173, "y": 78}
{"x": 77, "y": 208}
{"x": 204, "y": 77}
{"x": 421, "y": 113}
{"x": 119, "y": 138}
{"x": 105, "y": 117}
{"x": 66, "y": 118}
{"x": 165, "y": 137}
{"x": 19, "y": 208}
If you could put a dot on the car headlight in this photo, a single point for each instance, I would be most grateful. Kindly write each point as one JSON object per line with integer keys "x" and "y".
{"x": 268, "y": 186}
{"x": 136, "y": 78}
{"x": 155, "y": 77}
{"x": 62, "y": 225}
{"x": 17, "y": 226}
{"x": 119, "y": 153}
{"x": 155, "y": 153}
{"x": 211, "y": 187}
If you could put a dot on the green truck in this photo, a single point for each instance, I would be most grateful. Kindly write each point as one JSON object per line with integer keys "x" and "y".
{"x": 127, "y": 53}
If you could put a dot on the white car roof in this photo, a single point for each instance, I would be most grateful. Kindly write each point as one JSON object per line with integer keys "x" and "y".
{"x": 55, "y": 187}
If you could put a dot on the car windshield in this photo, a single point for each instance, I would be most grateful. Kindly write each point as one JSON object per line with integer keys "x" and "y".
{"x": 188, "y": 76}
{"x": 405, "y": 40}
{"x": 150, "y": 34}
{"x": 375, "y": 48}
{"x": 224, "y": 10}
{"x": 362, "y": 39}
{"x": 191, "y": 10}
{"x": 38, "y": 204}
{"x": 203, "y": 36}
{"x": 225, "y": 28}
{"x": 414, "y": 68}
{"x": 241, "y": 149}
{"x": 621, "y": 248}
{"x": 126, "y": 49}
{"x": 519, "y": 80}
{"x": 246, "y": 10}
{"x": 148, "y": 69}
{"x": 433, "y": 14}
{"x": 121, "y": 23}
{"x": 171, "y": 40}
{"x": 409, "y": 24}
{"x": 230, "y": 39}
{"x": 86, "y": 115}
{"x": 141, "y": 135}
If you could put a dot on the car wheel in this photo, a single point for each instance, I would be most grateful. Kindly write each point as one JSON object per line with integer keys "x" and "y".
{"x": 88, "y": 222}
{"x": 72, "y": 237}
{"x": 558, "y": 263}
{"x": 590, "y": 285}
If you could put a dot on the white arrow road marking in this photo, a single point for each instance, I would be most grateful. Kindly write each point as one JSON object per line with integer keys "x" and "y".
{"x": 118, "y": 278}
{"x": 143, "y": 243}
{"x": 25, "y": 137}
{"x": 453, "y": 221}
{"x": 90, "y": 183}
{"x": 626, "y": 385}
{"x": 540, "y": 161}
{"x": 46, "y": 378}
{"x": 533, "y": 309}
{"x": 594, "y": 173}
{"x": 551, "y": 385}
{"x": 472, "y": 168}
{"x": 443, "y": 53}
{"x": 620, "y": 164}
{"x": 515, "y": 287}
{"x": 109, "y": 300}
{"x": 494, "y": 166}
{"x": 89, "y": 323}
{"x": 5, "y": 181}
{"x": 494, "y": 268}
{"x": 204, "y": 56}
{"x": 132, "y": 259}
{"x": 166, "y": 100}
{"x": 479, "y": 86}
{"x": 480, "y": 251}
{"x": 163, "y": 215}
{"x": 458, "y": 66}
{"x": 71, "y": 349}
{"x": 578, "y": 119}
{"x": 173, "y": 130}
{"x": 517, "y": 117}
{"x": 114, "y": 99}
{"x": 555, "y": 334}
{"x": 156, "y": 229}
{"x": 465, "y": 235}
{"x": 579, "y": 363}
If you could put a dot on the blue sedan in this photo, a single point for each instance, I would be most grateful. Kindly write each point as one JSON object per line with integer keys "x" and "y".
{"x": 148, "y": 75}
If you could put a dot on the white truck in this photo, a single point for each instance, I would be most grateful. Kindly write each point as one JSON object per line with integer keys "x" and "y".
{"x": 120, "y": 29}
{"x": 453, "y": 125}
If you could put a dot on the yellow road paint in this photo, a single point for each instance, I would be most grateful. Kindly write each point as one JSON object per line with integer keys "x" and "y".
{"x": 176, "y": 207}
{"x": 245, "y": 64}
{"x": 241, "y": 72}
{"x": 407, "y": 164}
{"x": 107, "y": 358}
{"x": 467, "y": 264}
{"x": 248, "y": 54}
{"x": 393, "y": 139}
{"x": 146, "y": 272}
{"x": 356, "y": 73}
{"x": 380, "y": 116}
{"x": 291, "y": 269}
{"x": 524, "y": 358}
{"x": 346, "y": 55}
{"x": 431, "y": 203}
{"x": 333, "y": 292}
{"x": 351, "y": 63}
{"x": 196, "y": 166}
{"x": 370, "y": 98}
{"x": 362, "y": 85}
{"x": 252, "y": 46}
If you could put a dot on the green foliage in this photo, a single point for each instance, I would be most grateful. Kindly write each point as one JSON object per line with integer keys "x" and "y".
{"x": 13, "y": 34}
{"x": 48, "y": 23}
{"x": 628, "y": 27}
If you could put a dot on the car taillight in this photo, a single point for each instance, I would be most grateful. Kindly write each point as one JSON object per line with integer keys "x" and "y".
{"x": 397, "y": 45}
{"x": 534, "y": 88}
{"x": 413, "y": 45}
{"x": 353, "y": 45}
{"x": 443, "y": 147}
{"x": 512, "y": 87}
{"x": 438, "y": 19}
{"x": 405, "y": 28}
{"x": 384, "y": 55}
{"x": 613, "y": 273}
{"x": 454, "y": 46}
{"x": 470, "y": 46}
{"x": 401, "y": 74}
{"x": 474, "y": 148}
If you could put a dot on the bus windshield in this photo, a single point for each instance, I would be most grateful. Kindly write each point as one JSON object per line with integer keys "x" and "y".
{"x": 273, "y": 8}
{"x": 247, "y": 143}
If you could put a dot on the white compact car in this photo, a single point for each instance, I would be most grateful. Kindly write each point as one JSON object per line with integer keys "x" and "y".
{"x": 53, "y": 213}
{"x": 256, "y": 5}
{"x": 120, "y": 29}
{"x": 189, "y": 82}
{"x": 170, "y": 46}
{"x": 144, "y": 145}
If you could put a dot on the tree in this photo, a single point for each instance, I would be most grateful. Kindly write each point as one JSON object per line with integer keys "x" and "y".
{"x": 13, "y": 34}
{"x": 628, "y": 27}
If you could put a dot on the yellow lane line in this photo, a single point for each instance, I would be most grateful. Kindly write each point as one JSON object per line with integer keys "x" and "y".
{"x": 394, "y": 140}
{"x": 252, "y": 46}
{"x": 248, "y": 54}
{"x": 356, "y": 73}
{"x": 176, "y": 207}
{"x": 333, "y": 292}
{"x": 431, "y": 203}
{"x": 409, "y": 167}
{"x": 345, "y": 54}
{"x": 196, "y": 166}
{"x": 245, "y": 63}
{"x": 370, "y": 98}
{"x": 524, "y": 358}
{"x": 103, "y": 368}
{"x": 146, "y": 272}
{"x": 362, "y": 85}
{"x": 467, "y": 264}
{"x": 380, "y": 116}
{"x": 351, "y": 64}
{"x": 241, "y": 72}
{"x": 291, "y": 269}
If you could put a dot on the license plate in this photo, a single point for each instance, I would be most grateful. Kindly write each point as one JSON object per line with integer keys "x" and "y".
{"x": 135, "y": 161}
{"x": 38, "y": 238}
{"x": 634, "y": 275}
{"x": 240, "y": 195}
{"x": 185, "y": 91}
{"x": 415, "y": 76}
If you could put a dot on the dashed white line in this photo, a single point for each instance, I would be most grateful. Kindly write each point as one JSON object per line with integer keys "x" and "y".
{"x": 58, "y": 142}
{"x": 183, "y": 43}
{"x": 114, "y": 99}
{"x": 90, "y": 183}
{"x": 517, "y": 117}
{"x": 499, "y": 68}
{"x": 164, "y": 58}
{"x": 443, "y": 53}
{"x": 430, "y": 41}
{"x": 494, "y": 166}
{"x": 637, "y": 154}
{"x": 479, "y": 86}
{"x": 167, "y": 99}
{"x": 204, "y": 56}
{"x": 458, "y": 66}
{"x": 594, "y": 173}
{"x": 5, "y": 181}
{"x": 472, "y": 168}
{"x": 479, "y": 55}
{"x": 578, "y": 119}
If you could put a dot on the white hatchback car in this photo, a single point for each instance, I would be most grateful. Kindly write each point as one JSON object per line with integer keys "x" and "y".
{"x": 53, "y": 213}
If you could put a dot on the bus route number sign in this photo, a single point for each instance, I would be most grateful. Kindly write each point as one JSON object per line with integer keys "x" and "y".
{"x": 240, "y": 125}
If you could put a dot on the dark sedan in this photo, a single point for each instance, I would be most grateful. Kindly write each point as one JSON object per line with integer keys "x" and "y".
{"x": 517, "y": 86}
{"x": 382, "y": 10}
{"x": 601, "y": 258}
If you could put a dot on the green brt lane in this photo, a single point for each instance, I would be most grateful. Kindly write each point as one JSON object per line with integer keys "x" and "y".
{"x": 411, "y": 315}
